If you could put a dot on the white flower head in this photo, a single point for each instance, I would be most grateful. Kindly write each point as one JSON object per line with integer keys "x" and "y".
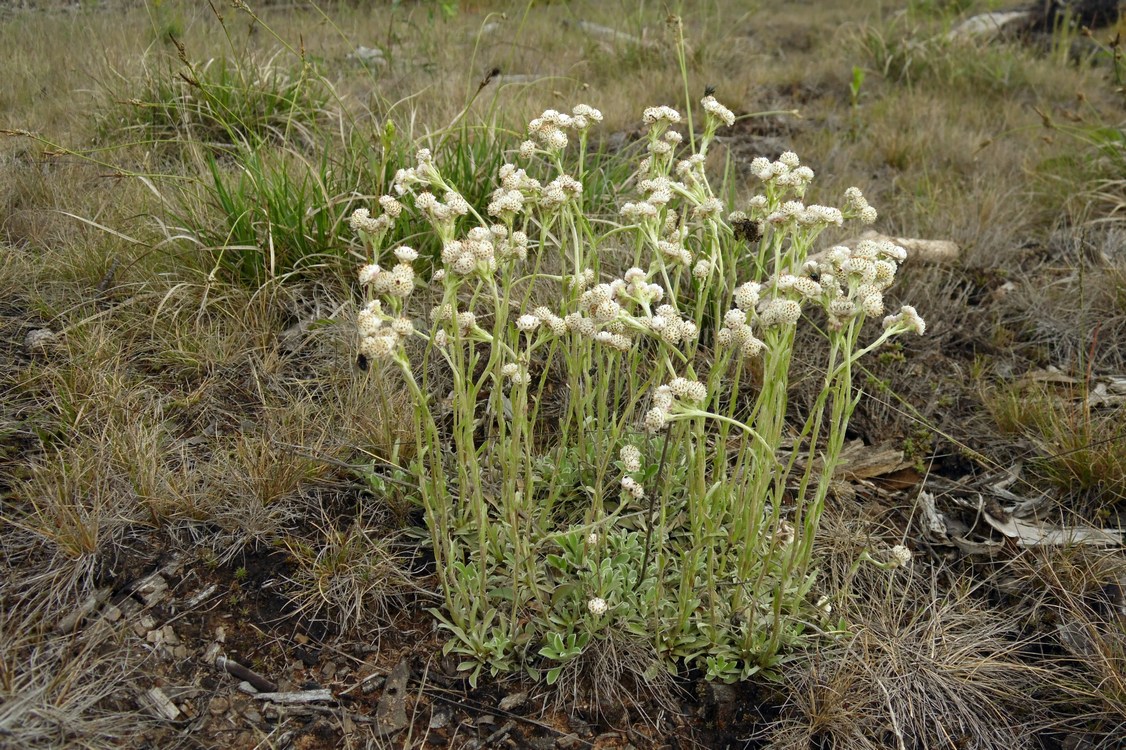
{"x": 747, "y": 296}
{"x": 790, "y": 159}
{"x": 378, "y": 347}
{"x": 402, "y": 327}
{"x": 899, "y": 555}
{"x": 734, "y": 319}
{"x": 367, "y": 273}
{"x": 633, "y": 488}
{"x": 406, "y": 254}
{"x": 358, "y": 217}
{"x": 390, "y": 206}
{"x": 709, "y": 207}
{"x": 688, "y": 390}
{"x": 630, "y": 456}
{"x": 401, "y": 281}
{"x": 655, "y": 419}
{"x": 873, "y": 304}
{"x": 368, "y": 323}
{"x": 597, "y": 606}
{"x": 514, "y": 373}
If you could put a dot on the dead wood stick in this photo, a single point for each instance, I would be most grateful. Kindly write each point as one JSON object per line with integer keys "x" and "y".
{"x": 297, "y": 697}
{"x": 259, "y": 682}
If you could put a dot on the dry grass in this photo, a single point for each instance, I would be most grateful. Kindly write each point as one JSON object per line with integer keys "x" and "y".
{"x": 926, "y": 660}
{"x": 1076, "y": 605}
{"x": 59, "y": 691}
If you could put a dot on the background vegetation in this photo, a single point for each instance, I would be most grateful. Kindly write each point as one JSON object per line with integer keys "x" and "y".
{"x": 179, "y": 380}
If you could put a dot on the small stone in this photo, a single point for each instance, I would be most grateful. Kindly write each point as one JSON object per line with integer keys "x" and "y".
{"x": 40, "y": 341}
{"x": 513, "y": 701}
{"x": 180, "y": 652}
{"x": 440, "y": 719}
{"x": 568, "y": 741}
{"x": 218, "y": 706}
{"x": 161, "y": 705}
{"x": 328, "y": 671}
{"x": 220, "y": 634}
{"x": 111, "y": 613}
{"x": 247, "y": 688}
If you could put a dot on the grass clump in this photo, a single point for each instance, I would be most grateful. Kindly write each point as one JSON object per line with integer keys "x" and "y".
{"x": 222, "y": 103}
{"x": 919, "y": 669}
{"x": 1080, "y": 449}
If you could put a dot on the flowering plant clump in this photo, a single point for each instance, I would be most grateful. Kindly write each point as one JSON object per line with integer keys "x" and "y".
{"x": 664, "y": 499}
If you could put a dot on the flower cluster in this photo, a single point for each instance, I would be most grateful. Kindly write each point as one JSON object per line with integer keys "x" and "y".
{"x": 907, "y": 319}
{"x": 667, "y": 324}
{"x": 784, "y": 175}
{"x": 549, "y": 129}
{"x": 605, "y": 315}
{"x": 439, "y": 212}
{"x": 425, "y": 174}
{"x": 516, "y": 189}
{"x": 553, "y": 322}
{"x": 476, "y": 253}
{"x": 515, "y": 374}
{"x": 668, "y": 398}
{"x": 736, "y": 331}
{"x": 560, "y": 191}
{"x": 713, "y": 109}
{"x": 397, "y": 282}
{"x": 858, "y": 206}
{"x": 655, "y": 116}
{"x": 377, "y": 340}
{"x": 853, "y": 280}
{"x": 633, "y": 488}
{"x": 363, "y": 223}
